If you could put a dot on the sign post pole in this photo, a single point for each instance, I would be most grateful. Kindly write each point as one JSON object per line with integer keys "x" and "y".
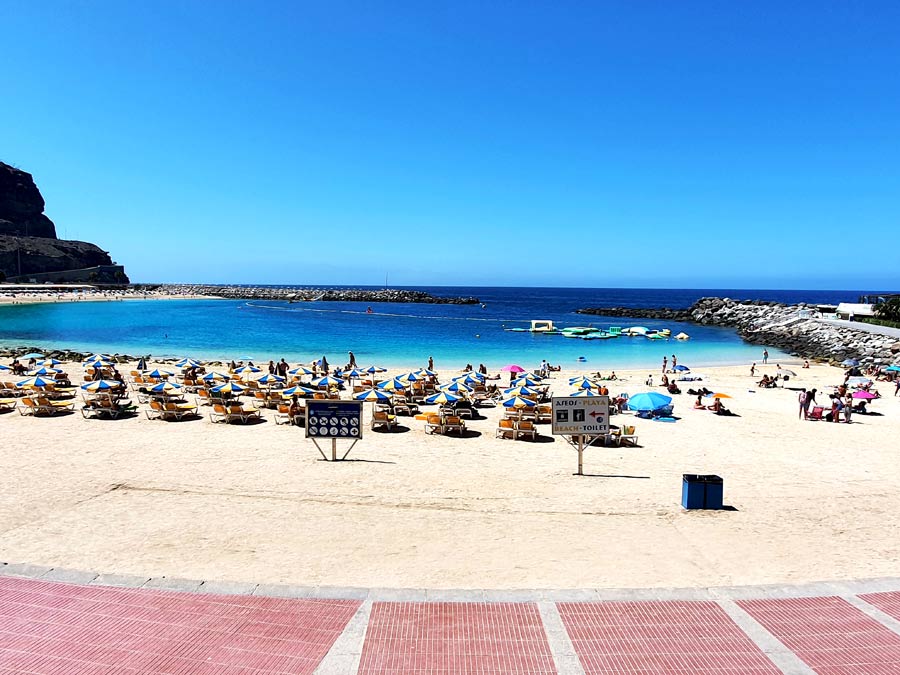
{"x": 581, "y": 455}
{"x": 577, "y": 417}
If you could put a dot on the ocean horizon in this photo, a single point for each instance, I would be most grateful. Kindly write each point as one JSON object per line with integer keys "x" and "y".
{"x": 396, "y": 335}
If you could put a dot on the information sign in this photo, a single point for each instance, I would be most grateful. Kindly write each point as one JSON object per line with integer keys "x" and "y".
{"x": 580, "y": 415}
{"x": 334, "y": 420}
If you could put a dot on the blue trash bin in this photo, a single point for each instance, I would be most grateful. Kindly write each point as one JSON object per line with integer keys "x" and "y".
{"x": 701, "y": 491}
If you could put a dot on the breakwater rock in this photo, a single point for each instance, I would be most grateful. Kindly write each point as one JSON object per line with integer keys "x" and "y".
{"x": 796, "y": 329}
{"x": 313, "y": 294}
{"x": 640, "y": 313}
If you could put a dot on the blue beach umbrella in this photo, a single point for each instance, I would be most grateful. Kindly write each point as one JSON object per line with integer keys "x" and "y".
{"x": 527, "y": 381}
{"x": 425, "y": 371}
{"x": 33, "y": 355}
{"x": 353, "y": 374}
{"x": 469, "y": 379}
{"x": 893, "y": 369}
{"x": 649, "y": 400}
{"x": 214, "y": 375}
{"x": 2, "y": 367}
{"x": 443, "y": 397}
{"x": 49, "y": 362}
{"x": 45, "y": 371}
{"x": 299, "y": 390}
{"x": 247, "y": 370}
{"x": 681, "y": 368}
{"x": 456, "y": 387}
{"x": 583, "y": 383}
{"x": 158, "y": 374}
{"x": 188, "y": 362}
{"x": 850, "y": 363}
{"x": 326, "y": 381}
{"x": 520, "y": 390}
{"x": 518, "y": 402}
{"x": 392, "y": 384}
{"x": 373, "y": 370}
{"x": 581, "y": 393}
{"x": 36, "y": 381}
{"x": 299, "y": 371}
{"x": 101, "y": 385}
{"x": 411, "y": 377}
{"x": 270, "y": 379}
{"x": 372, "y": 395}
{"x": 228, "y": 388}
{"x": 164, "y": 387}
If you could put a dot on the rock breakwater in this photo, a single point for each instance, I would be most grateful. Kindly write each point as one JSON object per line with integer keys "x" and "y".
{"x": 313, "y": 294}
{"x": 796, "y": 329}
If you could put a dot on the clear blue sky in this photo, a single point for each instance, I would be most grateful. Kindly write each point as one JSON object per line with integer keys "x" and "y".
{"x": 681, "y": 144}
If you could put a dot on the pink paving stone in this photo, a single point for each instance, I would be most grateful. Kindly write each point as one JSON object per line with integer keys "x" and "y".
{"x": 889, "y": 603}
{"x": 48, "y": 627}
{"x": 685, "y": 637}
{"x": 832, "y": 636}
{"x": 455, "y": 637}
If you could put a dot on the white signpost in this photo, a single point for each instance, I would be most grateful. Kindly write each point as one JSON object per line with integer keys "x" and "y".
{"x": 580, "y": 416}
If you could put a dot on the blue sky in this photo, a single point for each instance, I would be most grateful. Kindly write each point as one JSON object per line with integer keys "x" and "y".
{"x": 673, "y": 144}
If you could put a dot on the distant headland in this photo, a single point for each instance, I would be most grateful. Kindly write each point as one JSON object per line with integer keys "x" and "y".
{"x": 311, "y": 294}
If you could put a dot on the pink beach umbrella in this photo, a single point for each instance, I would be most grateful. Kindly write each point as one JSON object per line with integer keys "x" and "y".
{"x": 512, "y": 368}
{"x": 863, "y": 394}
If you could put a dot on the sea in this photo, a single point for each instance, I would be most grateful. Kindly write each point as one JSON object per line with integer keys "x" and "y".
{"x": 397, "y": 335}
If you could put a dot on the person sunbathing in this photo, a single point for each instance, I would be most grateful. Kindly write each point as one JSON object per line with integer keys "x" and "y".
{"x": 764, "y": 382}
{"x": 698, "y": 404}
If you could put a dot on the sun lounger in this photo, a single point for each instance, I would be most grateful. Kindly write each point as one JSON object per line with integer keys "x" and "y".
{"x": 505, "y": 429}
{"x": 104, "y": 408}
{"x": 283, "y": 415}
{"x": 453, "y": 423}
{"x": 627, "y": 437}
{"x": 433, "y": 424}
{"x": 236, "y": 413}
{"x": 7, "y": 404}
{"x": 383, "y": 419}
{"x": 525, "y": 428}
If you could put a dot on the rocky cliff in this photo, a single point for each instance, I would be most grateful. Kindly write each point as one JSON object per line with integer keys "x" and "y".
{"x": 28, "y": 243}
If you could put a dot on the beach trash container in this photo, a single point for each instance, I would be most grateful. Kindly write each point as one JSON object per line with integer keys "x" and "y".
{"x": 701, "y": 492}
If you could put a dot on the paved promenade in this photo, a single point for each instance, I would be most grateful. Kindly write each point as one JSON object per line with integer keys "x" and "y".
{"x": 72, "y": 622}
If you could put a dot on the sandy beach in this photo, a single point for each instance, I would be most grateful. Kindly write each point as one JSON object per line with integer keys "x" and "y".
{"x": 37, "y": 296}
{"x": 808, "y": 500}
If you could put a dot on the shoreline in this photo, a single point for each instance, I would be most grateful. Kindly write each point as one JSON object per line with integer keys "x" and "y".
{"x": 28, "y": 298}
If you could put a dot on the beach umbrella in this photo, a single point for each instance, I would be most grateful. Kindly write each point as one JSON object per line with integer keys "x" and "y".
{"x": 469, "y": 379}
{"x": 327, "y": 381}
{"x": 518, "y": 402}
{"x": 214, "y": 375}
{"x": 411, "y": 377}
{"x": 228, "y": 388}
{"x": 2, "y": 367}
{"x": 583, "y": 383}
{"x": 583, "y": 393}
{"x": 719, "y": 395}
{"x": 33, "y": 355}
{"x": 392, "y": 384}
{"x": 520, "y": 390}
{"x": 298, "y": 389}
{"x": 681, "y": 368}
{"x": 892, "y": 369}
{"x": 299, "y": 371}
{"x": 36, "y": 381}
{"x": 49, "y": 362}
{"x": 527, "y": 381}
{"x": 443, "y": 397}
{"x": 456, "y": 388}
{"x": 188, "y": 362}
{"x": 159, "y": 374}
{"x": 785, "y": 371}
{"x": 45, "y": 371}
{"x": 512, "y": 368}
{"x": 849, "y": 363}
{"x": 649, "y": 400}
{"x": 164, "y": 387}
{"x": 371, "y": 370}
{"x": 866, "y": 395}
{"x": 858, "y": 381}
{"x": 353, "y": 374}
{"x": 426, "y": 372}
{"x": 247, "y": 370}
{"x": 270, "y": 379}
{"x": 101, "y": 385}
{"x": 372, "y": 395}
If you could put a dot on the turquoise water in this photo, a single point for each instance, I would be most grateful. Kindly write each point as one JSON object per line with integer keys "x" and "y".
{"x": 393, "y": 335}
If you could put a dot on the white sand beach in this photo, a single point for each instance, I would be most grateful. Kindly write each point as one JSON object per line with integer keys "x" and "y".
{"x": 809, "y": 500}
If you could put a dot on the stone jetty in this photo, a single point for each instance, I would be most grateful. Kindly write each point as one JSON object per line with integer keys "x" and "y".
{"x": 313, "y": 294}
{"x": 797, "y": 329}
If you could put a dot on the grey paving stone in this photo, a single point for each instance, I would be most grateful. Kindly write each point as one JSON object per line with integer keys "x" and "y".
{"x": 564, "y": 656}
{"x": 173, "y": 584}
{"x": 397, "y": 594}
{"x": 25, "y": 570}
{"x": 513, "y": 596}
{"x": 340, "y": 593}
{"x": 123, "y": 580}
{"x": 70, "y": 576}
{"x": 454, "y": 595}
{"x": 285, "y": 591}
{"x": 346, "y": 652}
{"x": 573, "y": 595}
{"x": 227, "y": 588}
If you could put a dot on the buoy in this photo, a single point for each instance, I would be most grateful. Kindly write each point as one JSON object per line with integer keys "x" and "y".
{"x": 581, "y": 358}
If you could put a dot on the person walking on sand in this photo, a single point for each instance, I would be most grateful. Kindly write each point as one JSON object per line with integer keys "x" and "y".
{"x": 765, "y": 356}
{"x": 810, "y": 400}
{"x": 801, "y": 398}
{"x": 352, "y": 360}
{"x": 430, "y": 363}
{"x": 753, "y": 369}
{"x": 674, "y": 362}
{"x": 324, "y": 363}
{"x": 665, "y": 361}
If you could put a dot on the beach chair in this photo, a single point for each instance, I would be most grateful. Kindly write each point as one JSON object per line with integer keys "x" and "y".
{"x": 525, "y": 428}
{"x": 454, "y": 423}
{"x": 7, "y": 404}
{"x": 283, "y": 414}
{"x": 627, "y": 437}
{"x": 505, "y": 429}
{"x": 816, "y": 413}
{"x": 242, "y": 415}
{"x": 259, "y": 399}
{"x": 58, "y": 406}
{"x": 434, "y": 424}
{"x": 178, "y": 411}
{"x": 464, "y": 410}
{"x": 543, "y": 413}
{"x": 381, "y": 418}
{"x": 219, "y": 413}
